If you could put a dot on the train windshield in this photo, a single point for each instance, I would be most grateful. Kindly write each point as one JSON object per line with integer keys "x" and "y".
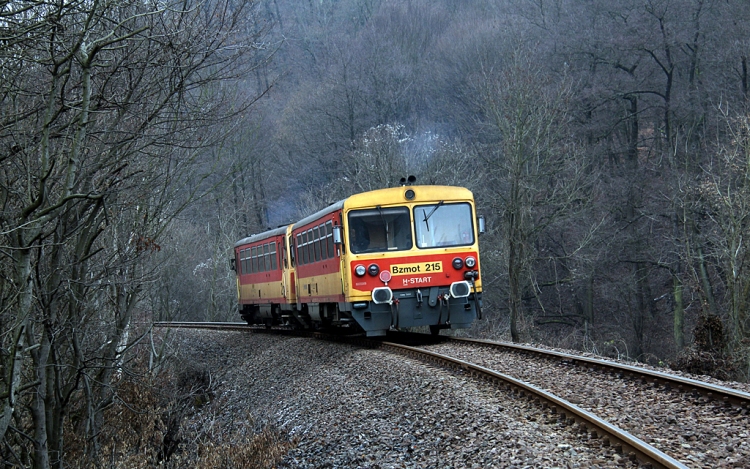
{"x": 379, "y": 229}
{"x": 441, "y": 224}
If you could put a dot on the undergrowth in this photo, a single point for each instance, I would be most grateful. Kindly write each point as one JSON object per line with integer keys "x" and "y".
{"x": 170, "y": 420}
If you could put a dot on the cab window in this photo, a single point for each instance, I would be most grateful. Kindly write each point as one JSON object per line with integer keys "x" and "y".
{"x": 441, "y": 224}
{"x": 379, "y": 229}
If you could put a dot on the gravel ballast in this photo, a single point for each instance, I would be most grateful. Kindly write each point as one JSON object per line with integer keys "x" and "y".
{"x": 694, "y": 429}
{"x": 349, "y": 407}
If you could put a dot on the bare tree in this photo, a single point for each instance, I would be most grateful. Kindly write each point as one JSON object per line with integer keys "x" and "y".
{"x": 537, "y": 176}
{"x": 110, "y": 106}
{"x": 723, "y": 198}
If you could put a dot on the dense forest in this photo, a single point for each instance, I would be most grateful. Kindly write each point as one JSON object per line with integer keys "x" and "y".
{"x": 607, "y": 145}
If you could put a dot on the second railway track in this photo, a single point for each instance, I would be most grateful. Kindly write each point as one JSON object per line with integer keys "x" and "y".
{"x": 569, "y": 413}
{"x": 696, "y": 423}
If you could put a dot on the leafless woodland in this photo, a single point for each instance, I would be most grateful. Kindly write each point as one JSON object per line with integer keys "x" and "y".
{"x": 607, "y": 144}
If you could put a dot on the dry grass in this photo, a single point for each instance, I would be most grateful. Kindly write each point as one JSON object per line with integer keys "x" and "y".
{"x": 262, "y": 450}
{"x": 170, "y": 420}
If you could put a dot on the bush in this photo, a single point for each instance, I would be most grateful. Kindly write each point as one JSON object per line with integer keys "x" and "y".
{"x": 170, "y": 419}
{"x": 707, "y": 356}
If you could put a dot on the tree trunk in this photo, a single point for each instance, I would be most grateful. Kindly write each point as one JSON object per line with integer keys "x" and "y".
{"x": 708, "y": 290}
{"x": 15, "y": 360}
{"x": 514, "y": 289}
{"x": 14, "y": 363}
{"x": 744, "y": 78}
{"x": 515, "y": 254}
{"x": 679, "y": 314}
{"x": 39, "y": 402}
{"x": 588, "y": 308}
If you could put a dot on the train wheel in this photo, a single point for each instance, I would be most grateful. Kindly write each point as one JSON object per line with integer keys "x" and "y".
{"x": 434, "y": 330}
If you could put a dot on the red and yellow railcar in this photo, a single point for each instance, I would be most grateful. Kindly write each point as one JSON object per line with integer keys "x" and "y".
{"x": 391, "y": 258}
{"x": 261, "y": 285}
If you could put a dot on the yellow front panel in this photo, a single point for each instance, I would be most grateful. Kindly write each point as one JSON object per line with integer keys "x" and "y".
{"x": 436, "y": 260}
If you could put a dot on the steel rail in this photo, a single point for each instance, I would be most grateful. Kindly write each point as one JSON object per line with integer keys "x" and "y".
{"x": 614, "y": 435}
{"x": 203, "y": 325}
{"x": 712, "y": 391}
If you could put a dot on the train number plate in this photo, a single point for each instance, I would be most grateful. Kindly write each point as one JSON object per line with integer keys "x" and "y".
{"x": 417, "y": 268}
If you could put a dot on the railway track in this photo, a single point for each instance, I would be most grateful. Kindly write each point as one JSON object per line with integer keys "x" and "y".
{"x": 712, "y": 391}
{"x": 568, "y": 412}
{"x": 698, "y": 424}
{"x": 564, "y": 387}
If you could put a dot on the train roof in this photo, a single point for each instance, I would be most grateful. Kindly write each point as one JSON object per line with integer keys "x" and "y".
{"x": 311, "y": 218}
{"x": 266, "y": 234}
{"x": 397, "y": 195}
{"x": 388, "y": 196}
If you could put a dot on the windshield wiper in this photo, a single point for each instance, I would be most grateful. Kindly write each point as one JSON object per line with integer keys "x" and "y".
{"x": 427, "y": 216}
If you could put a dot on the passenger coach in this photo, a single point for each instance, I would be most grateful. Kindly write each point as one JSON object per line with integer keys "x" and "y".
{"x": 390, "y": 258}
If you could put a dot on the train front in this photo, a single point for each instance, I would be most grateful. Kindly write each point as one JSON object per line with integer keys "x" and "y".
{"x": 412, "y": 258}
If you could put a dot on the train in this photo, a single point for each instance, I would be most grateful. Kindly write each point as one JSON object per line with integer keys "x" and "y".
{"x": 394, "y": 258}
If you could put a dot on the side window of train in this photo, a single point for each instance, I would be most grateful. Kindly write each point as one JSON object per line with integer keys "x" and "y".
{"x": 309, "y": 247}
{"x": 329, "y": 239}
{"x": 324, "y": 254}
{"x": 253, "y": 260}
{"x": 303, "y": 247}
{"x": 292, "y": 250}
{"x": 300, "y": 261}
{"x": 316, "y": 243}
{"x": 272, "y": 249}
{"x": 266, "y": 258}
{"x": 322, "y": 242}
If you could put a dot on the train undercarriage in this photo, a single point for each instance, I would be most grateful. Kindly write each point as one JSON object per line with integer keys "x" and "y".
{"x": 433, "y": 307}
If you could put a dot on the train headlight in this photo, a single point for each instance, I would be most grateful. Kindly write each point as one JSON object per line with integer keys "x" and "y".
{"x": 458, "y": 263}
{"x": 470, "y": 262}
{"x": 373, "y": 269}
{"x": 360, "y": 270}
{"x": 460, "y": 289}
{"x": 382, "y": 295}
